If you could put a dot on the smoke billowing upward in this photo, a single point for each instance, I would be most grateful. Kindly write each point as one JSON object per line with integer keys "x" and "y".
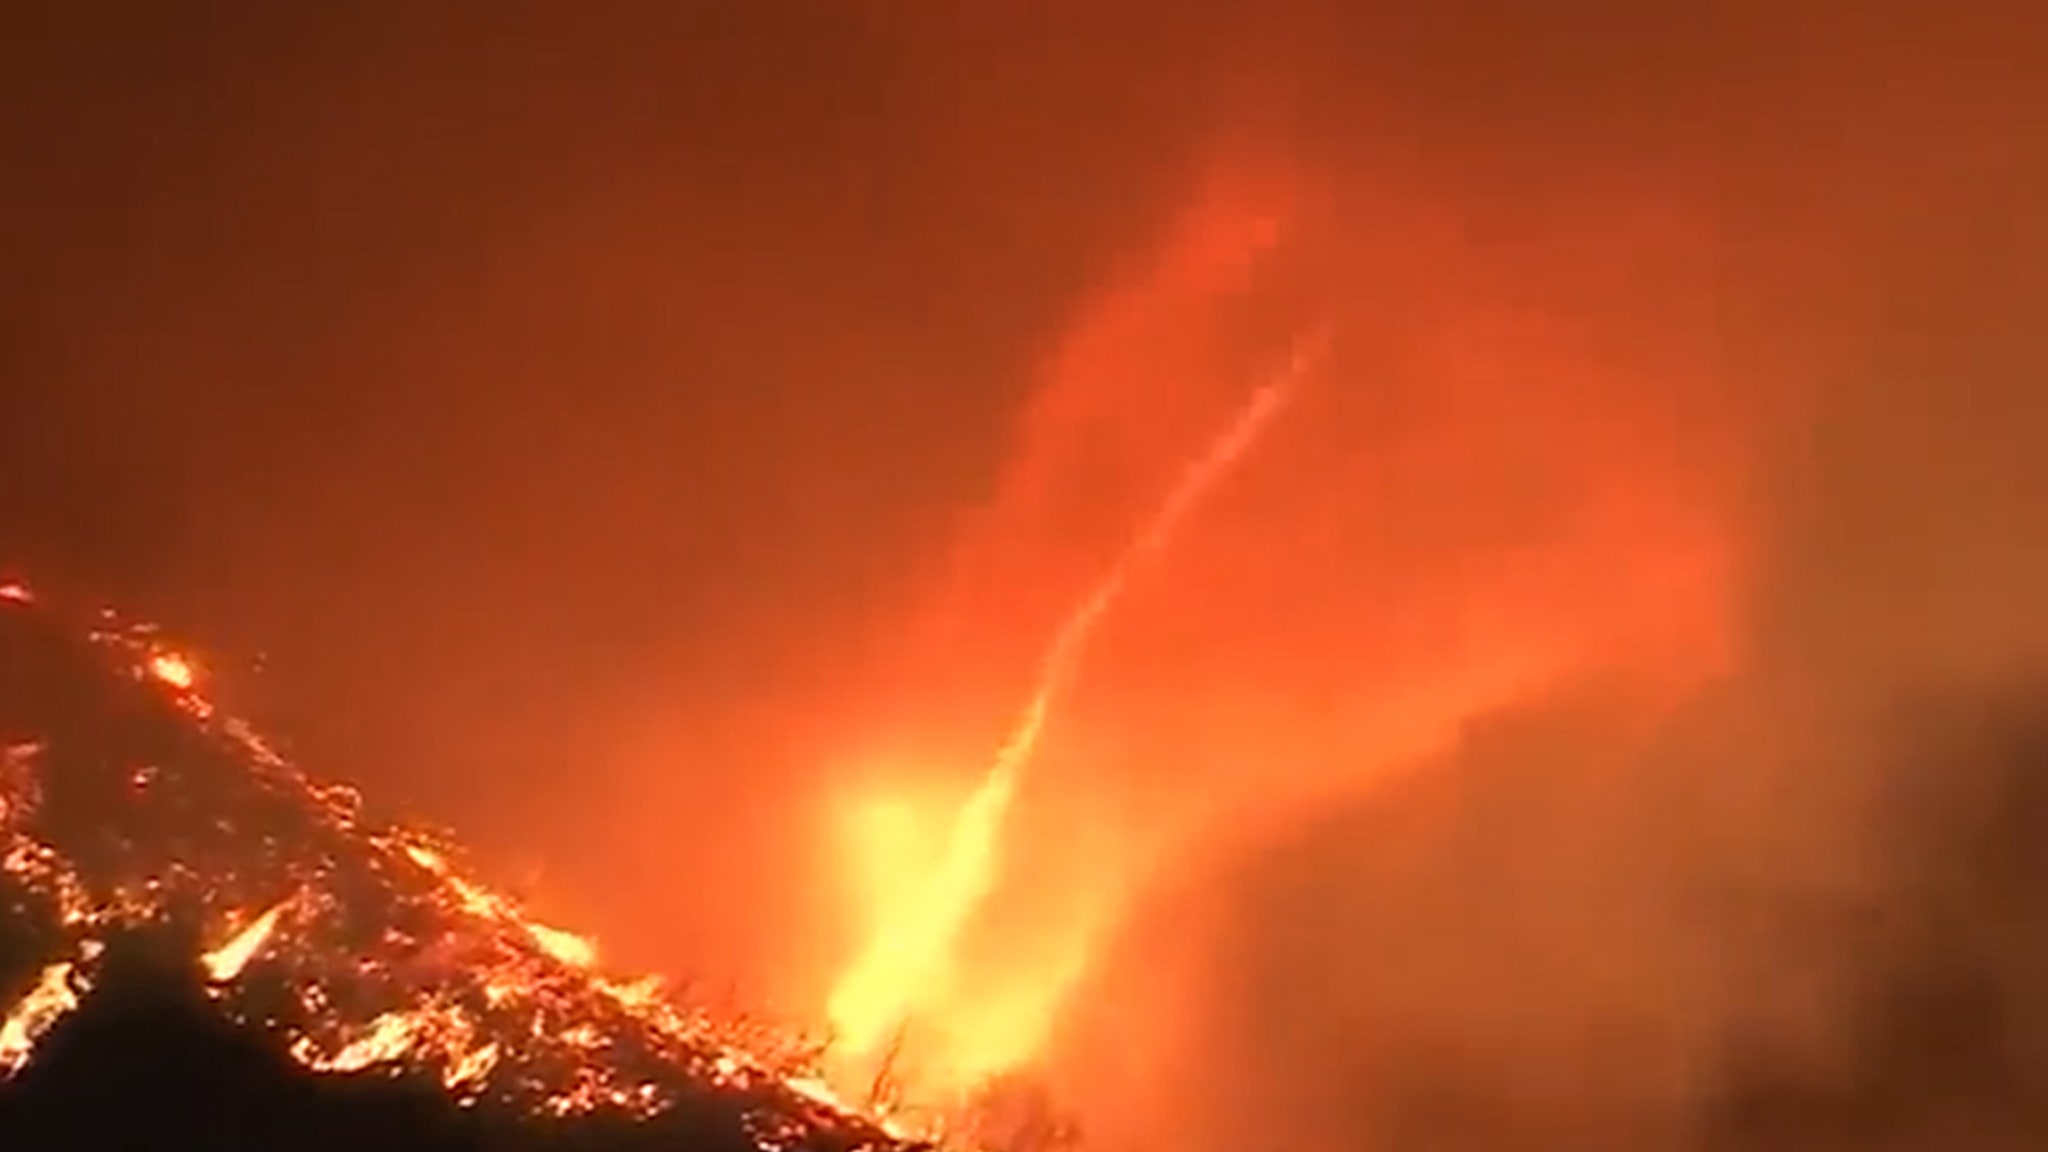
{"x": 1604, "y": 719}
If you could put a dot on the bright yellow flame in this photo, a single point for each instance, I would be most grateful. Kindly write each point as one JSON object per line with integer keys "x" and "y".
{"x": 889, "y": 844}
{"x": 909, "y": 960}
{"x": 33, "y": 1015}
{"x": 568, "y": 947}
{"x": 173, "y": 669}
{"x": 227, "y": 961}
{"x": 571, "y": 949}
{"x": 1006, "y": 1018}
{"x": 908, "y": 965}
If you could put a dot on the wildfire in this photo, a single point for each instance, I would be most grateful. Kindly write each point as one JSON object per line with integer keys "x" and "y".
{"x": 378, "y": 951}
{"x": 908, "y": 962}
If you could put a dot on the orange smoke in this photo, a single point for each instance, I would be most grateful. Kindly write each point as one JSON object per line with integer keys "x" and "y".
{"x": 1513, "y": 474}
{"x": 1523, "y": 475}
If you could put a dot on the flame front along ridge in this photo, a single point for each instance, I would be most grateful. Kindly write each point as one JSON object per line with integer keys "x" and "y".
{"x": 364, "y": 947}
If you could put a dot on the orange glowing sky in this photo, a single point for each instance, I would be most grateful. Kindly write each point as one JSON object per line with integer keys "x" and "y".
{"x": 664, "y": 448}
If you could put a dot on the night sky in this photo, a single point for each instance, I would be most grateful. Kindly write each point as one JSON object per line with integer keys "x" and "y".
{"x": 515, "y": 381}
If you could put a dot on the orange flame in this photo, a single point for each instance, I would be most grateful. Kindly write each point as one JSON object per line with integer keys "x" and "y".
{"x": 38, "y": 1011}
{"x": 227, "y": 961}
{"x": 909, "y": 960}
{"x": 571, "y": 949}
{"x": 173, "y": 669}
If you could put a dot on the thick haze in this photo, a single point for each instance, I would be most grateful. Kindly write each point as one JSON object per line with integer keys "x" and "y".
{"x": 626, "y": 435}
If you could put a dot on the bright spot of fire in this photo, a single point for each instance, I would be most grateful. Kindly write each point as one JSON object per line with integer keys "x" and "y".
{"x": 227, "y": 961}
{"x": 389, "y": 1037}
{"x": 39, "y": 1010}
{"x": 472, "y": 1068}
{"x": 173, "y": 669}
{"x": 568, "y": 947}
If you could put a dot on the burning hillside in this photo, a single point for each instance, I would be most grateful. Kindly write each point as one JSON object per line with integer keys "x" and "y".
{"x": 134, "y": 815}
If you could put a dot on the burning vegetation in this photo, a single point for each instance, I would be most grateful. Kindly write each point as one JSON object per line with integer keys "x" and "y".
{"x": 134, "y": 815}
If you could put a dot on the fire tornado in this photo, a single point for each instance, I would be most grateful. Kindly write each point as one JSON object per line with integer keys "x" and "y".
{"x": 911, "y": 953}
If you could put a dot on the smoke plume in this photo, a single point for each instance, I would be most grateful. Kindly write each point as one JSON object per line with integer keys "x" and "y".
{"x": 1605, "y": 719}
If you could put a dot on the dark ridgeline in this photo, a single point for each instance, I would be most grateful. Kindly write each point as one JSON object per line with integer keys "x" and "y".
{"x": 139, "y": 829}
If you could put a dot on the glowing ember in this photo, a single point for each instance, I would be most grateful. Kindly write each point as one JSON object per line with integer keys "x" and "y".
{"x": 908, "y": 961}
